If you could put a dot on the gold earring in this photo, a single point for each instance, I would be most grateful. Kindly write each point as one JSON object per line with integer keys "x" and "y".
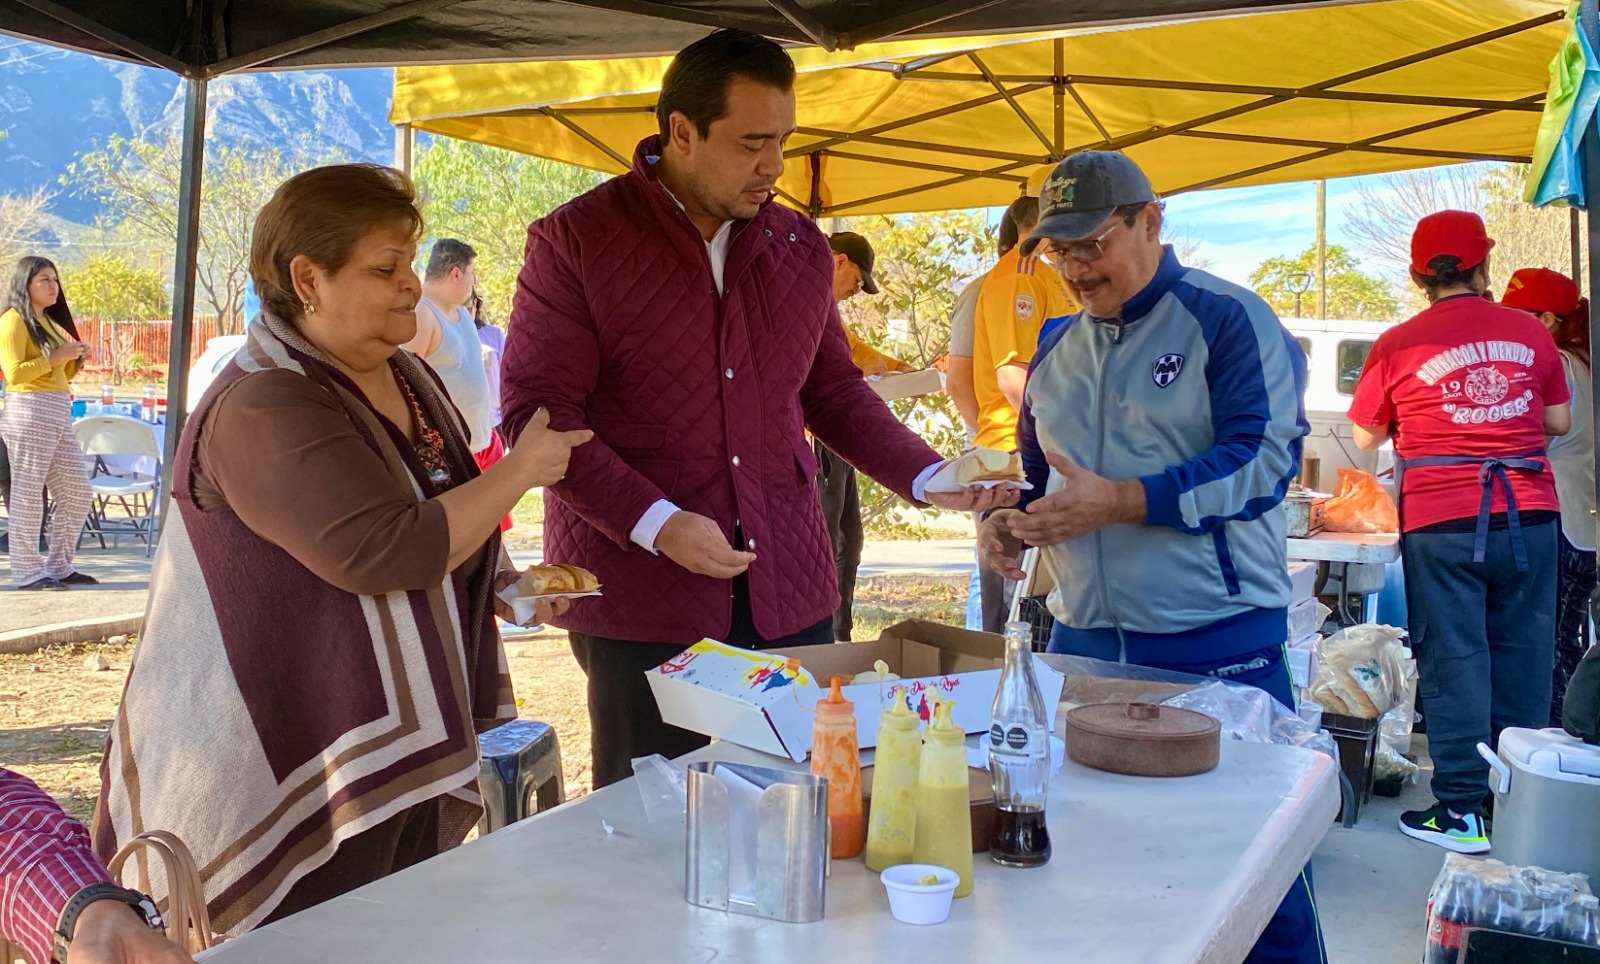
{"x": 310, "y": 308}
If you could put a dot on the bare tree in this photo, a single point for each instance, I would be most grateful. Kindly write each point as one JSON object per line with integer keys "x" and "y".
{"x": 1385, "y": 213}
{"x": 137, "y": 180}
{"x": 21, "y": 223}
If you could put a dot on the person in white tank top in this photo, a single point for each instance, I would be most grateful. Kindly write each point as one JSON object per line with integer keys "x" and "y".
{"x": 447, "y": 338}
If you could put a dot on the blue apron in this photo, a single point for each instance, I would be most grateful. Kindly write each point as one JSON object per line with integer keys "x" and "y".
{"x": 1491, "y": 469}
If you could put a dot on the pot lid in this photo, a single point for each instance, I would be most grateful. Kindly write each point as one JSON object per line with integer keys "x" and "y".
{"x": 1142, "y": 721}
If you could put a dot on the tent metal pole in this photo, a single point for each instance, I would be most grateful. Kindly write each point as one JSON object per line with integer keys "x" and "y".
{"x": 1589, "y": 151}
{"x": 405, "y": 140}
{"x": 1059, "y": 106}
{"x": 1370, "y": 148}
{"x": 104, "y": 34}
{"x": 814, "y": 168}
{"x": 919, "y": 165}
{"x": 806, "y": 24}
{"x": 939, "y": 112}
{"x": 1353, "y": 146}
{"x": 266, "y": 55}
{"x": 184, "y": 264}
{"x": 593, "y": 141}
{"x": 835, "y": 138}
{"x": 924, "y": 16}
{"x": 1016, "y": 108}
{"x": 1577, "y": 247}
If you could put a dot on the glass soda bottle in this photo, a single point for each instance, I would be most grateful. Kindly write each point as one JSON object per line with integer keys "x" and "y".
{"x": 836, "y": 757}
{"x": 1019, "y": 758}
{"x": 147, "y": 408}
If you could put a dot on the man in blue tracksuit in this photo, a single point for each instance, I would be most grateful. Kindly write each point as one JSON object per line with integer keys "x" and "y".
{"x": 1161, "y": 426}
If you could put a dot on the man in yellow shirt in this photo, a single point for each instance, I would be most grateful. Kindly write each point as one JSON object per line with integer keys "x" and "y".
{"x": 1018, "y": 294}
{"x": 853, "y": 260}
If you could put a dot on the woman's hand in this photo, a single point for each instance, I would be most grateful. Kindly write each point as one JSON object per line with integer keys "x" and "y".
{"x": 541, "y": 454}
{"x": 70, "y": 352}
{"x": 543, "y": 610}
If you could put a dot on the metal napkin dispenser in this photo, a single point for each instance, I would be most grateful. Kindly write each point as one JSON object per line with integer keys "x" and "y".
{"x": 757, "y": 841}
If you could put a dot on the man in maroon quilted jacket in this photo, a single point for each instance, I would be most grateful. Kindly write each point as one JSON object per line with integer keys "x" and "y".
{"x": 690, "y": 323}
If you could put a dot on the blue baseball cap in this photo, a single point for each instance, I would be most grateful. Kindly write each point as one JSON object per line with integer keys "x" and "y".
{"x": 1082, "y": 192}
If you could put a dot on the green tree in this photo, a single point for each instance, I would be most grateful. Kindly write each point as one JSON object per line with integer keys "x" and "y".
{"x": 487, "y": 197}
{"x": 109, "y": 289}
{"x": 1352, "y": 293}
{"x": 137, "y": 180}
{"x": 922, "y": 262}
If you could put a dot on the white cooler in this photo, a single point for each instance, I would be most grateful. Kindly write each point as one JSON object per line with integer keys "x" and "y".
{"x": 1546, "y": 800}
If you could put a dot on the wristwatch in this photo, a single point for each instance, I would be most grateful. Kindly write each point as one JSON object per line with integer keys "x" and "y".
{"x": 142, "y": 905}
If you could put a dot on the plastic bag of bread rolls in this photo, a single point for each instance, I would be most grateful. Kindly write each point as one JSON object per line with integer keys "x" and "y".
{"x": 1361, "y": 671}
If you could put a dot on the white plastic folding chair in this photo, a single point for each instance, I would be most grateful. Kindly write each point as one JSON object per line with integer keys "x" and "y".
{"x": 126, "y": 441}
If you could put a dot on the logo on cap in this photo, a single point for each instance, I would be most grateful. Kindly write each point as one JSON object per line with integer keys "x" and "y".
{"x": 1058, "y": 191}
{"x": 1166, "y": 370}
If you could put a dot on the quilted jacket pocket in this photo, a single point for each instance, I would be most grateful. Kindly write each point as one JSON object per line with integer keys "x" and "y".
{"x": 805, "y": 460}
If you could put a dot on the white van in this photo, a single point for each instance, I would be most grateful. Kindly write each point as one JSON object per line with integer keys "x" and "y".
{"x": 1336, "y": 354}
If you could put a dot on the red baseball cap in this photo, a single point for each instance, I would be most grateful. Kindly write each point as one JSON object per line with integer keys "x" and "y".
{"x": 1457, "y": 233}
{"x": 1541, "y": 290}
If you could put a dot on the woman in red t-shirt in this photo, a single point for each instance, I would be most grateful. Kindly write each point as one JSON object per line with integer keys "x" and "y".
{"x": 1469, "y": 390}
{"x": 1553, "y": 298}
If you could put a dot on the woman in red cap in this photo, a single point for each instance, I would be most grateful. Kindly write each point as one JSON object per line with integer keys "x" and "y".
{"x": 1553, "y": 298}
{"x": 1469, "y": 390}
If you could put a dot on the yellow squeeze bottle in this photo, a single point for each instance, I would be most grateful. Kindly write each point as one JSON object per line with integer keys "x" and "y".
{"x": 893, "y": 823}
{"x": 944, "y": 810}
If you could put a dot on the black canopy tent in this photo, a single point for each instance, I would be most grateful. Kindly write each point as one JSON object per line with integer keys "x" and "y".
{"x": 203, "y": 39}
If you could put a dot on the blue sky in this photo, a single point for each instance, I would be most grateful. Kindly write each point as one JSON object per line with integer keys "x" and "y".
{"x": 1236, "y": 229}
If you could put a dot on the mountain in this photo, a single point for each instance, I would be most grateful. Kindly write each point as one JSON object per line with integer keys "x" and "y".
{"x": 56, "y": 105}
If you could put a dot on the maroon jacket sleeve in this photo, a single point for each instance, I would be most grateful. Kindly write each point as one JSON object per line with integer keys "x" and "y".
{"x": 848, "y": 416}
{"x": 45, "y": 858}
{"x": 552, "y": 361}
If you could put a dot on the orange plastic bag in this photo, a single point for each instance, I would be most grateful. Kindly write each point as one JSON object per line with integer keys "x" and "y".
{"x": 1360, "y": 505}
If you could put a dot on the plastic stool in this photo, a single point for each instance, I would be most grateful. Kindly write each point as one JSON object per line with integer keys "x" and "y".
{"x": 520, "y": 774}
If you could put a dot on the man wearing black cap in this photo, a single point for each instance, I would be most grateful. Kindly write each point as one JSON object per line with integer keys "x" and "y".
{"x": 1160, "y": 428}
{"x": 853, "y": 260}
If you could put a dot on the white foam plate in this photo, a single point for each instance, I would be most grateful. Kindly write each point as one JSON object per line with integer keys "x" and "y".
{"x": 523, "y": 606}
{"x": 944, "y": 480}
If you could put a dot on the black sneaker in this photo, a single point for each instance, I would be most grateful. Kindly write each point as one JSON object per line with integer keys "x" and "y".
{"x": 79, "y": 579}
{"x": 1435, "y": 825}
{"x": 53, "y": 585}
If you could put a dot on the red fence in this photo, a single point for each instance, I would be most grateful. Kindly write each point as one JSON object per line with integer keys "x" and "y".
{"x": 136, "y": 352}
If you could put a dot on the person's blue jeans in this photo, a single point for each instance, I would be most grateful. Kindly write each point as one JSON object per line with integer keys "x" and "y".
{"x": 1484, "y": 635}
{"x": 1294, "y": 934}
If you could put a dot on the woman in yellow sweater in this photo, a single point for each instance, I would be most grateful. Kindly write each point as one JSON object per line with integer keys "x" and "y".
{"x": 39, "y": 354}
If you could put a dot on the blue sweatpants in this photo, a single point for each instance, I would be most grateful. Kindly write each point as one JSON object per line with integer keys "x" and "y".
{"x": 1294, "y": 934}
{"x": 1485, "y": 636}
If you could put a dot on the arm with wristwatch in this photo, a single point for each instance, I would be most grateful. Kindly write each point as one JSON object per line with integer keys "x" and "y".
{"x": 56, "y": 900}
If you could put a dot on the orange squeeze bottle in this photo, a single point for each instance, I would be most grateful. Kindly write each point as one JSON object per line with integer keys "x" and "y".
{"x": 836, "y": 757}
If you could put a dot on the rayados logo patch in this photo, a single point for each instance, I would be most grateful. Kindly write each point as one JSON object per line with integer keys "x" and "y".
{"x": 1166, "y": 370}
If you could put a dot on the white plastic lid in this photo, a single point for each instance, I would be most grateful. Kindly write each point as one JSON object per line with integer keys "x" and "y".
{"x": 1551, "y": 753}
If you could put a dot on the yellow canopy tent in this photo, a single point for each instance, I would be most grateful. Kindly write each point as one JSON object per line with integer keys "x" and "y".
{"x": 938, "y": 124}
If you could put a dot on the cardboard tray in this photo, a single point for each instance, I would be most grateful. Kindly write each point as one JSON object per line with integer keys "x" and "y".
{"x": 763, "y": 700}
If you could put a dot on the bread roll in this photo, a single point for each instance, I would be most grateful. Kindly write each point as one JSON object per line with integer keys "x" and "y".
{"x": 984, "y": 465}
{"x": 545, "y": 580}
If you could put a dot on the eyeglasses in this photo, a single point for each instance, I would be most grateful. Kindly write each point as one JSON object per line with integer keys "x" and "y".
{"x": 1086, "y": 252}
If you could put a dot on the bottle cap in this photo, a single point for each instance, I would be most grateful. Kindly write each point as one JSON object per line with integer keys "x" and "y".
{"x": 942, "y": 726}
{"x": 834, "y": 704}
{"x": 899, "y": 714}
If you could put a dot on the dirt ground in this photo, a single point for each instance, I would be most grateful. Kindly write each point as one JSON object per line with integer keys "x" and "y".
{"x": 54, "y": 710}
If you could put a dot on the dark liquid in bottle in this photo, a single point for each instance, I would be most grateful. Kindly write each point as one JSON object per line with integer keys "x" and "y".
{"x": 1020, "y": 838}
